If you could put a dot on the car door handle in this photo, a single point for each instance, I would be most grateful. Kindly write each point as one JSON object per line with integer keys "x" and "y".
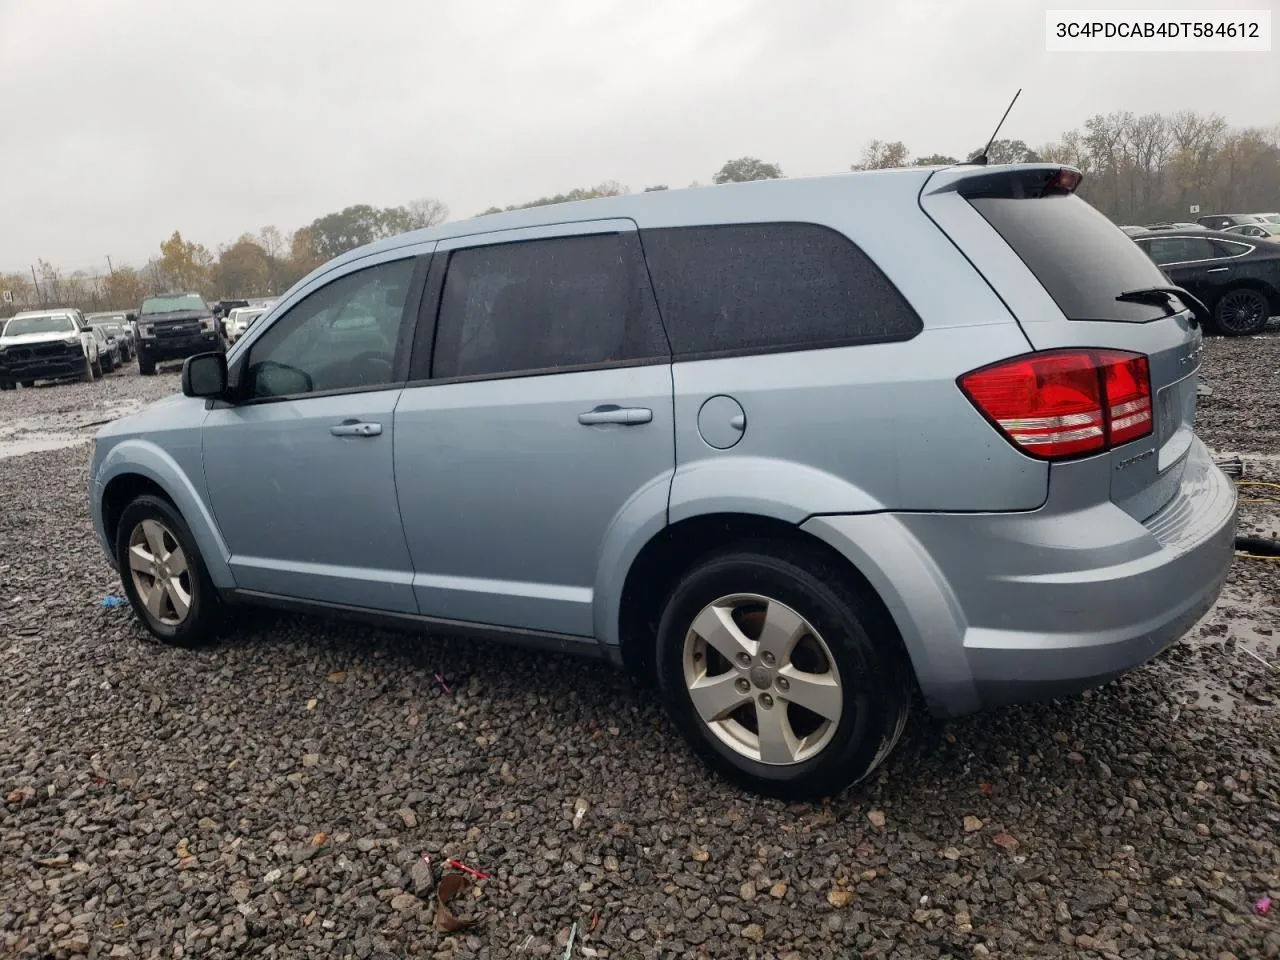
{"x": 355, "y": 428}
{"x": 613, "y": 414}
{"x": 1218, "y": 270}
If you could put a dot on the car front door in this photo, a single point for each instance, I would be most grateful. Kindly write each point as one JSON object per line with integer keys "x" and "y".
{"x": 299, "y": 468}
{"x": 540, "y": 424}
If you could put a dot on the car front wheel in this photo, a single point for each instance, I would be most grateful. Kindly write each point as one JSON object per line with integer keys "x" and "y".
{"x": 783, "y": 678}
{"x": 163, "y": 574}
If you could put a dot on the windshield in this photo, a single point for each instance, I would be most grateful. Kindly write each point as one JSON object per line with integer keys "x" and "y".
{"x": 56, "y": 323}
{"x": 190, "y": 301}
{"x": 106, "y": 318}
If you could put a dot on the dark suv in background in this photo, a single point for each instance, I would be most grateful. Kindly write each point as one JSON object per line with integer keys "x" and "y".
{"x": 174, "y": 326}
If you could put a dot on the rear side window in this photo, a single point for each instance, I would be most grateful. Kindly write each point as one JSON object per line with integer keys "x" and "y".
{"x": 540, "y": 305}
{"x": 1081, "y": 259}
{"x": 770, "y": 286}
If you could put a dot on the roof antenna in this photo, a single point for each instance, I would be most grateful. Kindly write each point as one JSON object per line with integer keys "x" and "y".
{"x": 981, "y": 158}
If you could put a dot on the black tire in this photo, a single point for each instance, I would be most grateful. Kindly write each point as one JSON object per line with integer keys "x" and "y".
{"x": 1241, "y": 312}
{"x": 205, "y": 608}
{"x": 865, "y": 653}
{"x": 146, "y": 367}
{"x": 7, "y": 384}
{"x": 29, "y": 384}
{"x": 90, "y": 372}
{"x": 97, "y": 367}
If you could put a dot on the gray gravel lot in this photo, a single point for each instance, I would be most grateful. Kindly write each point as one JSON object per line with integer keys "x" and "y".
{"x": 272, "y": 795}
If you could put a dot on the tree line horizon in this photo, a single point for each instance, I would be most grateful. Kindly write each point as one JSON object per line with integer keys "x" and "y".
{"x": 1138, "y": 168}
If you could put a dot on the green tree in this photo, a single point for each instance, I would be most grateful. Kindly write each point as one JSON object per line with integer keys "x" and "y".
{"x": 185, "y": 265}
{"x": 123, "y": 289}
{"x": 1007, "y": 151}
{"x": 747, "y": 168}
{"x": 608, "y": 188}
{"x": 880, "y": 155}
{"x": 243, "y": 269}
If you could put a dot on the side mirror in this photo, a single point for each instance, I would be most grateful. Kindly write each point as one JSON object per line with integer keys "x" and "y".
{"x": 205, "y": 375}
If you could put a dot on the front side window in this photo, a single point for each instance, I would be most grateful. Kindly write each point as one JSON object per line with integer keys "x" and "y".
{"x": 771, "y": 286}
{"x": 341, "y": 337}
{"x": 540, "y": 305}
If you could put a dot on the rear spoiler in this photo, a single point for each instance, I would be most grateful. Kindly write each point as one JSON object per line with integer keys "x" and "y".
{"x": 1009, "y": 181}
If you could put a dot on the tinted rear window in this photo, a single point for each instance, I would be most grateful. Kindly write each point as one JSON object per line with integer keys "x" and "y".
{"x": 769, "y": 286}
{"x": 1077, "y": 254}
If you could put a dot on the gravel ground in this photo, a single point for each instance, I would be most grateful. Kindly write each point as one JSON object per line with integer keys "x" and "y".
{"x": 272, "y": 796}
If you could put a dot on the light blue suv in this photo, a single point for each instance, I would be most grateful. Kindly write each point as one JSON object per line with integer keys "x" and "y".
{"x": 796, "y": 448}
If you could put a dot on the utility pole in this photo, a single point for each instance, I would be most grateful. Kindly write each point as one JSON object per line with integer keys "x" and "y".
{"x": 36, "y": 284}
{"x": 110, "y": 269}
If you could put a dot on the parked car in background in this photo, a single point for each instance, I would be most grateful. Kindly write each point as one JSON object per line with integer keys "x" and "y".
{"x": 1270, "y": 217}
{"x": 1238, "y": 280}
{"x": 1220, "y": 221}
{"x": 1174, "y": 225}
{"x": 1132, "y": 230}
{"x": 909, "y": 452}
{"x": 110, "y": 355}
{"x": 47, "y": 345}
{"x": 118, "y": 329}
{"x": 240, "y": 318}
{"x": 1259, "y": 231}
{"x": 175, "y": 326}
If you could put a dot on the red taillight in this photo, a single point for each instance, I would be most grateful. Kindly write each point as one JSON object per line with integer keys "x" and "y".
{"x": 1065, "y": 403}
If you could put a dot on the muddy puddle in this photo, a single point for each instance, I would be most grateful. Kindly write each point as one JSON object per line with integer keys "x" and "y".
{"x": 1239, "y": 630}
{"x": 59, "y": 429}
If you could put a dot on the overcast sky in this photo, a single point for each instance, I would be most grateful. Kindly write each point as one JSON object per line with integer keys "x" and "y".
{"x": 124, "y": 120}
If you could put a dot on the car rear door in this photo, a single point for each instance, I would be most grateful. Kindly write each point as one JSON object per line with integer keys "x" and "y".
{"x": 1062, "y": 267}
{"x": 537, "y": 424}
{"x": 1200, "y": 264}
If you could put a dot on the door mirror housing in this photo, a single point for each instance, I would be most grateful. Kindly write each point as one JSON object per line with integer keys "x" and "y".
{"x": 205, "y": 375}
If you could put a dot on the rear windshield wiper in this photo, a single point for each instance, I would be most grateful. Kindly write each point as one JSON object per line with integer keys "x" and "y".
{"x": 1165, "y": 295}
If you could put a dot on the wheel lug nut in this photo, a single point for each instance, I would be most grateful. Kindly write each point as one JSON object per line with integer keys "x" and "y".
{"x": 766, "y": 701}
{"x": 783, "y": 684}
{"x": 768, "y": 659}
{"x": 744, "y": 659}
{"x": 742, "y": 684}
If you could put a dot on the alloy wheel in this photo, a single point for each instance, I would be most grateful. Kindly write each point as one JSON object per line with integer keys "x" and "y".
{"x": 160, "y": 573}
{"x": 762, "y": 679}
{"x": 1242, "y": 311}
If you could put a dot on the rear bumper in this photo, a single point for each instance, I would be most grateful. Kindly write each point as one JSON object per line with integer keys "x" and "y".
{"x": 1006, "y": 608}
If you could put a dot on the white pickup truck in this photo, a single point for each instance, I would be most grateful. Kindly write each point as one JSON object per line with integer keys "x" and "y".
{"x": 47, "y": 345}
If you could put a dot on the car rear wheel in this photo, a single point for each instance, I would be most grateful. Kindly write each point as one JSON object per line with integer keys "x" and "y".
{"x": 90, "y": 372}
{"x": 1241, "y": 312}
{"x": 163, "y": 574}
{"x": 7, "y": 384}
{"x": 780, "y": 676}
